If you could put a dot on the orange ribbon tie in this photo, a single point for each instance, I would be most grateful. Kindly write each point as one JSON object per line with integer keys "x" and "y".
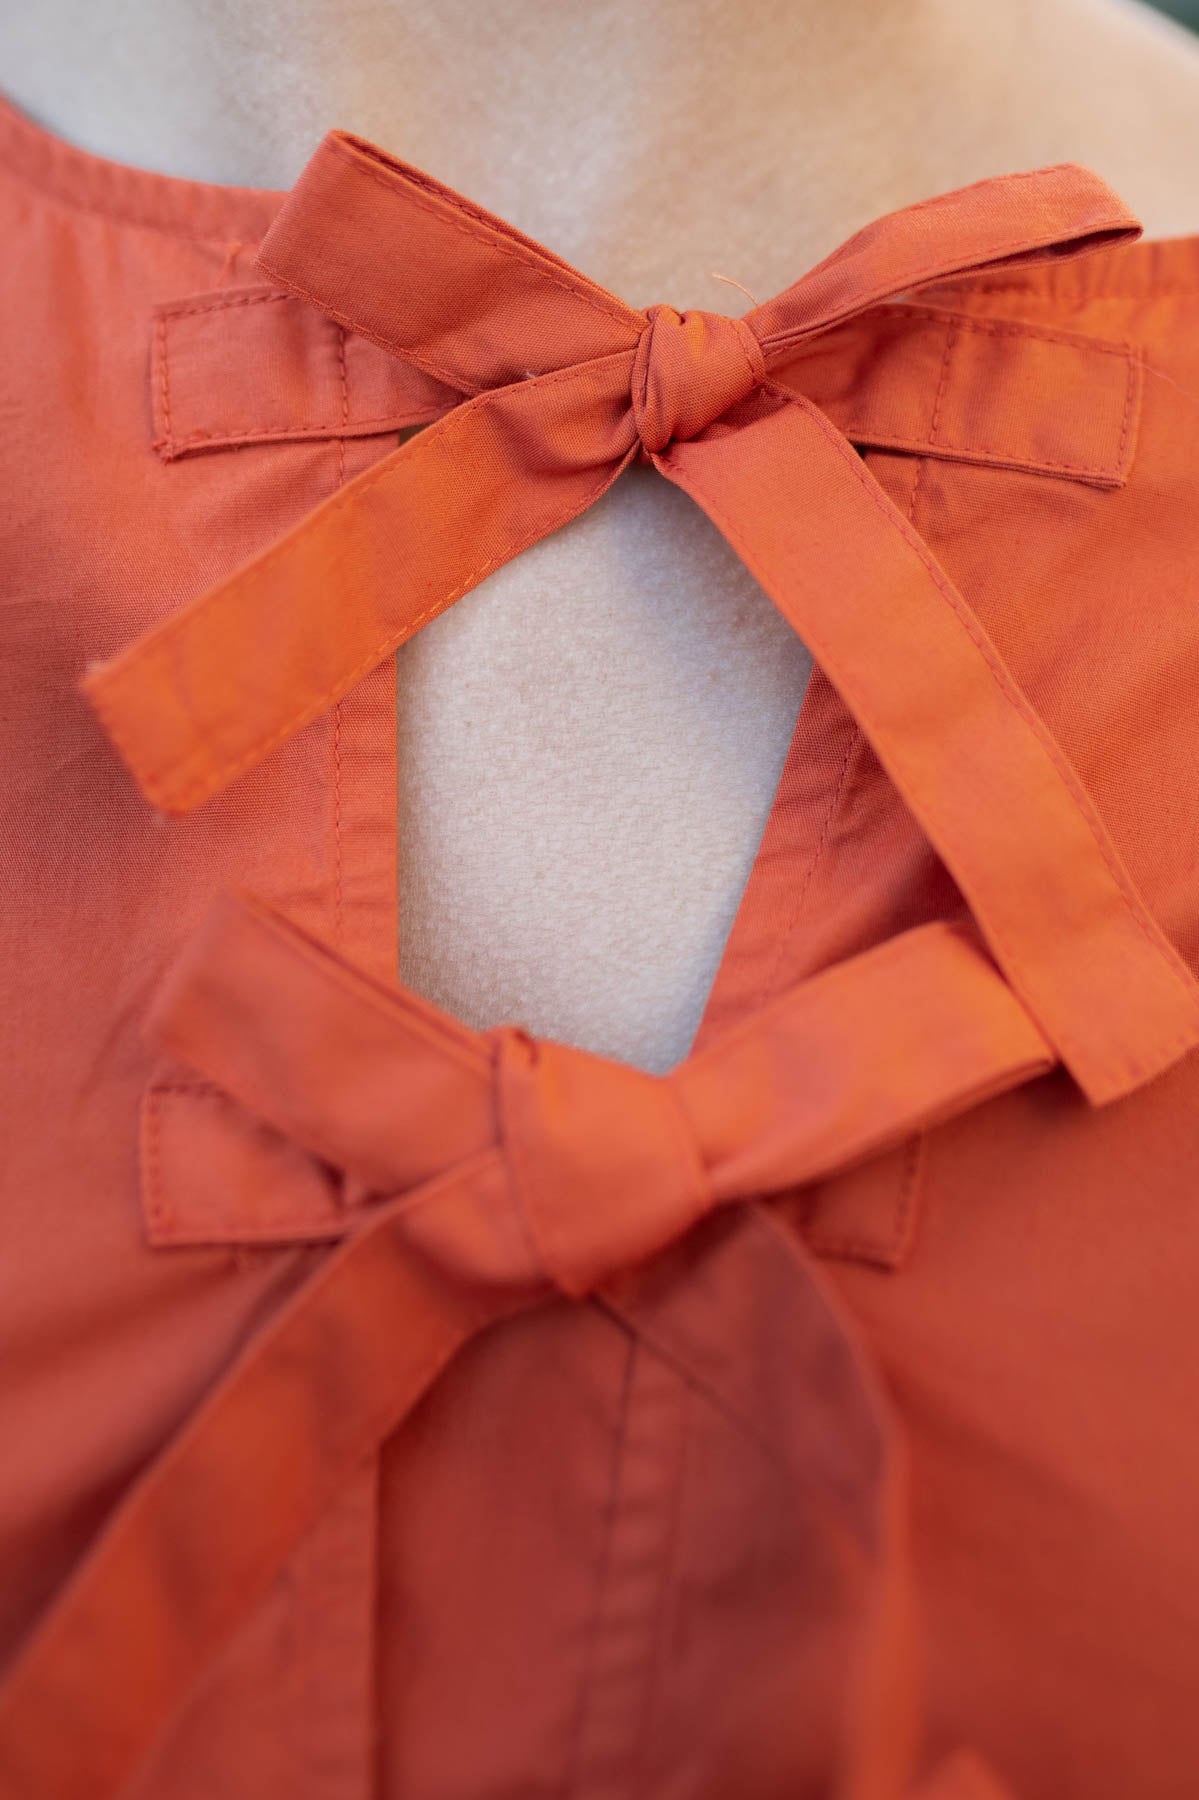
{"x": 565, "y": 385}
{"x": 483, "y": 1172}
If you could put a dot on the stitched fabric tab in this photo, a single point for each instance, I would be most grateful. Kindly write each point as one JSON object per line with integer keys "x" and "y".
{"x": 992, "y": 391}
{"x": 312, "y": 378}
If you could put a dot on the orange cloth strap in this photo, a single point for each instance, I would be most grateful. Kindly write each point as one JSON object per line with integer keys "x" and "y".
{"x": 567, "y": 385}
{"x": 491, "y": 1169}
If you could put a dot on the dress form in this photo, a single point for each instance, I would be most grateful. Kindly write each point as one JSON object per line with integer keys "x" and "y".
{"x": 589, "y": 741}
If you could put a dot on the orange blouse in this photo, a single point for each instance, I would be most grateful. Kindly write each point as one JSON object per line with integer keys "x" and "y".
{"x": 399, "y": 1411}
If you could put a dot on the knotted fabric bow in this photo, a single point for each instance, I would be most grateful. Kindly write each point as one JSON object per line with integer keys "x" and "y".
{"x": 566, "y": 386}
{"x": 484, "y": 1173}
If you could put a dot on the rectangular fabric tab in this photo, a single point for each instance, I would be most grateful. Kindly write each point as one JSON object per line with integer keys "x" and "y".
{"x": 1001, "y": 391}
{"x": 211, "y": 1173}
{"x": 311, "y": 377}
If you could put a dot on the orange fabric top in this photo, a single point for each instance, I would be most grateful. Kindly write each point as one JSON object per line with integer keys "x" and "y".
{"x": 398, "y": 1409}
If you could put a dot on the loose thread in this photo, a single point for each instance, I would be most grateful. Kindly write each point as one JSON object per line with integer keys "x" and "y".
{"x": 736, "y": 284}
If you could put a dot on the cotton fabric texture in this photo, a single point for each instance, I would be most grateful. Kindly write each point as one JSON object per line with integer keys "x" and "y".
{"x": 392, "y": 1408}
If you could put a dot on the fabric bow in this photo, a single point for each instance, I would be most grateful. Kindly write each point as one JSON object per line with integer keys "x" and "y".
{"x": 479, "y": 1174}
{"x": 566, "y": 386}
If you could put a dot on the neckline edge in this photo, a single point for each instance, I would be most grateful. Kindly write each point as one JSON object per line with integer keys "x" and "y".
{"x": 186, "y": 206}
{"x": 182, "y": 206}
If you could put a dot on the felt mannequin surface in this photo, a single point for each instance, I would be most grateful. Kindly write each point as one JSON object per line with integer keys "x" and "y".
{"x": 589, "y": 741}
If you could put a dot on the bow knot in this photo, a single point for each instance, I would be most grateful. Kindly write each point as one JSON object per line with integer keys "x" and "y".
{"x": 515, "y": 1163}
{"x": 689, "y": 368}
{"x": 605, "y": 1165}
{"x": 473, "y": 304}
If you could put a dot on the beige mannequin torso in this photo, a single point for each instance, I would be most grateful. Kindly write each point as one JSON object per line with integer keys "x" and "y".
{"x": 589, "y": 742}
